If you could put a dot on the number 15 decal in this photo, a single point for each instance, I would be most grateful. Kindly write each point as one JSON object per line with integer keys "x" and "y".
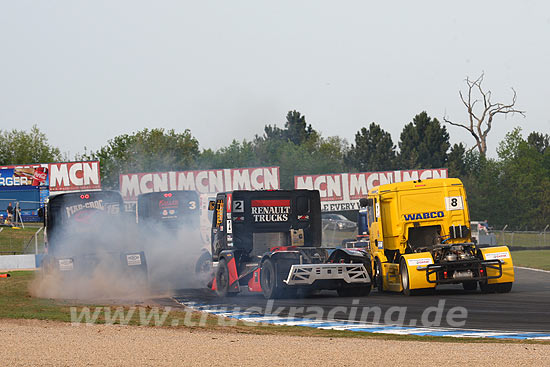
{"x": 238, "y": 206}
{"x": 454, "y": 203}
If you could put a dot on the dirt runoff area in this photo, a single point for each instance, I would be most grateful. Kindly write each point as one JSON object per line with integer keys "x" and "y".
{"x": 48, "y": 343}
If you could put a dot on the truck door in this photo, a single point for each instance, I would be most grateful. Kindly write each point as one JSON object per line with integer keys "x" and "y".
{"x": 218, "y": 235}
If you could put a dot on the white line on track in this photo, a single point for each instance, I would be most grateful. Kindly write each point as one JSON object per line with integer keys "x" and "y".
{"x": 539, "y": 270}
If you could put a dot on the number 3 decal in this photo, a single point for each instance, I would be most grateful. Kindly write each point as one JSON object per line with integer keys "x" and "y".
{"x": 192, "y": 205}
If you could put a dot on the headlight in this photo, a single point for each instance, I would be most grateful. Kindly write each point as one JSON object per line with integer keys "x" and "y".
{"x": 341, "y": 225}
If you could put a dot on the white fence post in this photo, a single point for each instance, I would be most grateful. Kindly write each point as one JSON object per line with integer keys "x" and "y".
{"x": 36, "y": 240}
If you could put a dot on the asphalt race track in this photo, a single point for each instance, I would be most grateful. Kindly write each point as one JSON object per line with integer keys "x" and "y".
{"x": 525, "y": 308}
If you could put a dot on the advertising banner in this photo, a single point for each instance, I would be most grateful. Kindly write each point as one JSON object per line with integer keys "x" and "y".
{"x": 203, "y": 181}
{"x": 29, "y": 185}
{"x": 75, "y": 176}
{"x": 342, "y": 191}
{"x": 24, "y": 176}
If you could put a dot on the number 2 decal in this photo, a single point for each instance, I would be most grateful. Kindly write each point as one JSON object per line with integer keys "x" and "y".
{"x": 238, "y": 206}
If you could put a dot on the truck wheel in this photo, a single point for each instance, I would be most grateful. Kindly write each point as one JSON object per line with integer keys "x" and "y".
{"x": 487, "y": 288}
{"x": 504, "y": 287}
{"x": 204, "y": 264}
{"x": 470, "y": 285}
{"x": 405, "y": 278}
{"x": 269, "y": 282}
{"x": 378, "y": 279}
{"x": 354, "y": 291}
{"x": 222, "y": 278}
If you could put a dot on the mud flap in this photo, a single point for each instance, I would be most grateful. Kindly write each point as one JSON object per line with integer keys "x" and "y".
{"x": 416, "y": 268}
{"x": 501, "y": 253}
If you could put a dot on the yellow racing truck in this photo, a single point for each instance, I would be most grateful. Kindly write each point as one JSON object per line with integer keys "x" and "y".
{"x": 420, "y": 238}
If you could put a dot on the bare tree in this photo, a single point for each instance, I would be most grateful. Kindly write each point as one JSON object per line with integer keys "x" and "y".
{"x": 481, "y": 118}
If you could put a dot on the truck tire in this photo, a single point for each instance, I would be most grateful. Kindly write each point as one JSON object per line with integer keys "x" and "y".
{"x": 469, "y": 285}
{"x": 362, "y": 291}
{"x": 204, "y": 264}
{"x": 404, "y": 271}
{"x": 271, "y": 284}
{"x": 488, "y": 288}
{"x": 504, "y": 287}
{"x": 222, "y": 279}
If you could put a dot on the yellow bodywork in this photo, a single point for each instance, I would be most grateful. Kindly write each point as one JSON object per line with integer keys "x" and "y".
{"x": 396, "y": 208}
{"x": 501, "y": 253}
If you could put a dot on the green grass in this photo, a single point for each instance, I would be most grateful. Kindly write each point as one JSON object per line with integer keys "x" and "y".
{"x": 538, "y": 259}
{"x": 17, "y": 303}
{"x": 15, "y": 240}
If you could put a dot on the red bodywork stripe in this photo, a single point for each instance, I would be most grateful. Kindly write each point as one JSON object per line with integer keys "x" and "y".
{"x": 270, "y": 203}
{"x": 233, "y": 276}
{"x": 254, "y": 284}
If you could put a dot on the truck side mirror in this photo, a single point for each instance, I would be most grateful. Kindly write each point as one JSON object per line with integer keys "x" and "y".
{"x": 211, "y": 205}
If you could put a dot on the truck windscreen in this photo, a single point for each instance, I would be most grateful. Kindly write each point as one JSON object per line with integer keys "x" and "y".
{"x": 78, "y": 211}
{"x": 173, "y": 208}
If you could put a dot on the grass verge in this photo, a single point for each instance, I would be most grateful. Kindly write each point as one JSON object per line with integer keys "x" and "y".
{"x": 17, "y": 303}
{"x": 538, "y": 259}
{"x": 15, "y": 240}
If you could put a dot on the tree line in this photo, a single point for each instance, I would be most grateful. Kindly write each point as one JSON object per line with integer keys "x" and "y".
{"x": 512, "y": 189}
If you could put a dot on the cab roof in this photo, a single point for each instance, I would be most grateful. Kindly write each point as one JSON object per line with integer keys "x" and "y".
{"x": 411, "y": 185}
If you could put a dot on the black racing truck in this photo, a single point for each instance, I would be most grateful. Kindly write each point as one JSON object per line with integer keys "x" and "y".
{"x": 270, "y": 242}
{"x": 86, "y": 231}
{"x": 170, "y": 209}
{"x": 173, "y": 211}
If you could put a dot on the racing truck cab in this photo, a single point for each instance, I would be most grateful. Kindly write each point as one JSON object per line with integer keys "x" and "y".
{"x": 172, "y": 209}
{"x": 420, "y": 237}
{"x": 270, "y": 241}
{"x": 82, "y": 232}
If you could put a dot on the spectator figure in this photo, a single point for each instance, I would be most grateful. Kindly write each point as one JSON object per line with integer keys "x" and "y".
{"x": 9, "y": 210}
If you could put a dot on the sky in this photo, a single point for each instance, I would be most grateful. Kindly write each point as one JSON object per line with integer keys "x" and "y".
{"x": 87, "y": 71}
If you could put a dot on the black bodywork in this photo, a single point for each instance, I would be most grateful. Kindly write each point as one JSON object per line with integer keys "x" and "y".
{"x": 303, "y": 204}
{"x": 173, "y": 209}
{"x": 262, "y": 234}
{"x": 85, "y": 229}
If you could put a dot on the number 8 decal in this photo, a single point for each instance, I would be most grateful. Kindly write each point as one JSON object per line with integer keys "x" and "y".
{"x": 454, "y": 203}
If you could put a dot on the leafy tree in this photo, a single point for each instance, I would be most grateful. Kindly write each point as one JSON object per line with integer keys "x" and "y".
{"x": 146, "y": 150}
{"x": 373, "y": 150}
{"x": 456, "y": 161}
{"x": 424, "y": 143}
{"x": 235, "y": 155}
{"x": 296, "y": 130}
{"x": 539, "y": 141}
{"x": 21, "y": 147}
